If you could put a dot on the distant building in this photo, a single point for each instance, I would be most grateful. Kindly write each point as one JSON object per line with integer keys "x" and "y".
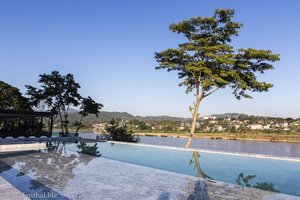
{"x": 100, "y": 128}
{"x": 256, "y": 126}
{"x": 237, "y": 122}
{"x": 237, "y": 126}
{"x": 209, "y": 117}
{"x": 267, "y": 127}
{"x": 220, "y": 128}
{"x": 285, "y": 125}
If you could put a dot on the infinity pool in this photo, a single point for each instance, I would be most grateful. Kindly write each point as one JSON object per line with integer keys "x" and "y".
{"x": 56, "y": 169}
{"x": 285, "y": 175}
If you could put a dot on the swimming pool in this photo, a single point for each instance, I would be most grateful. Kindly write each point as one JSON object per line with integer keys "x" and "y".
{"x": 284, "y": 174}
{"x": 64, "y": 169}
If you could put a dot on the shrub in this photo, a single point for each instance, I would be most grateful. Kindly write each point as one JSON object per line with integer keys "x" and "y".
{"x": 118, "y": 131}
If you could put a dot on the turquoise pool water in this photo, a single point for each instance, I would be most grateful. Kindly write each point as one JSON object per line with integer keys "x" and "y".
{"x": 64, "y": 170}
{"x": 285, "y": 175}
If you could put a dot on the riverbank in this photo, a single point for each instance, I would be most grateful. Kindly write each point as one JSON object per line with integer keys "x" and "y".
{"x": 293, "y": 138}
{"x": 269, "y": 137}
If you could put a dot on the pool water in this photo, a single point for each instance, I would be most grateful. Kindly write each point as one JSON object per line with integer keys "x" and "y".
{"x": 62, "y": 165}
{"x": 284, "y": 174}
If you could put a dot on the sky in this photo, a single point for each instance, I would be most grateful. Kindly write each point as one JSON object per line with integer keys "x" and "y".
{"x": 109, "y": 46}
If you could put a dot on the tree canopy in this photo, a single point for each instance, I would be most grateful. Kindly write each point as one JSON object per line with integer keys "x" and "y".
{"x": 60, "y": 93}
{"x": 12, "y": 99}
{"x": 207, "y": 61}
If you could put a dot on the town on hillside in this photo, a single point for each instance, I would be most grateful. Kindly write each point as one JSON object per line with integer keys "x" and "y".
{"x": 234, "y": 123}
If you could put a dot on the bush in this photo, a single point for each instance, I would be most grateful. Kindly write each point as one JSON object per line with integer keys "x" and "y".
{"x": 118, "y": 131}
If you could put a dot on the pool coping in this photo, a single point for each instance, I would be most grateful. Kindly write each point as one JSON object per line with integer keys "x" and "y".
{"x": 262, "y": 156}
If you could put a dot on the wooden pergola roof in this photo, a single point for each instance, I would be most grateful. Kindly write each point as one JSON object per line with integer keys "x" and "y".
{"x": 23, "y": 114}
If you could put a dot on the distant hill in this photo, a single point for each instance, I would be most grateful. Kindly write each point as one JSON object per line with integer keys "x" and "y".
{"x": 161, "y": 118}
{"x": 106, "y": 116}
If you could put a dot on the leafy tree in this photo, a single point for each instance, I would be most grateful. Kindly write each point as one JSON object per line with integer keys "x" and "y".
{"x": 88, "y": 106}
{"x": 143, "y": 126}
{"x": 118, "y": 131}
{"x": 207, "y": 61}
{"x": 59, "y": 93}
{"x": 12, "y": 99}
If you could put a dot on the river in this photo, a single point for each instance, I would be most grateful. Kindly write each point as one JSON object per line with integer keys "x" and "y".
{"x": 284, "y": 149}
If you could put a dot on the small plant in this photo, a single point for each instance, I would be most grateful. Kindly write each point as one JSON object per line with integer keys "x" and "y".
{"x": 244, "y": 181}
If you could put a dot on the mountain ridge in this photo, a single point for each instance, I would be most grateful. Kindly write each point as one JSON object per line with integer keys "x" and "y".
{"x": 106, "y": 116}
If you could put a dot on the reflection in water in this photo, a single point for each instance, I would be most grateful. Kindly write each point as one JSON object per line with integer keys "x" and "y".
{"x": 54, "y": 168}
{"x": 29, "y": 187}
{"x": 4, "y": 167}
{"x": 197, "y": 189}
{"x": 195, "y": 159}
{"x": 89, "y": 150}
{"x": 243, "y": 180}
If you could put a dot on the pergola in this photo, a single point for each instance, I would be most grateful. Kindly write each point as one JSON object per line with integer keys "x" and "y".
{"x": 25, "y": 123}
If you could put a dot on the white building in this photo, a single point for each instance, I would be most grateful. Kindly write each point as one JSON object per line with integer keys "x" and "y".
{"x": 220, "y": 128}
{"x": 209, "y": 117}
{"x": 256, "y": 126}
{"x": 267, "y": 127}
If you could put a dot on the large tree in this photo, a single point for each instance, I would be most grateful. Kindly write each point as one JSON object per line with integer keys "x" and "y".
{"x": 207, "y": 61}
{"x": 59, "y": 93}
{"x": 12, "y": 99}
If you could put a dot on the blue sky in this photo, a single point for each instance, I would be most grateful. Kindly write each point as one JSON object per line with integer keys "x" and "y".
{"x": 109, "y": 46}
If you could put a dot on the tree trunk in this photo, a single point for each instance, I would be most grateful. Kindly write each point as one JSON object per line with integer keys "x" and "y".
{"x": 79, "y": 126}
{"x": 61, "y": 124}
{"x": 194, "y": 121}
